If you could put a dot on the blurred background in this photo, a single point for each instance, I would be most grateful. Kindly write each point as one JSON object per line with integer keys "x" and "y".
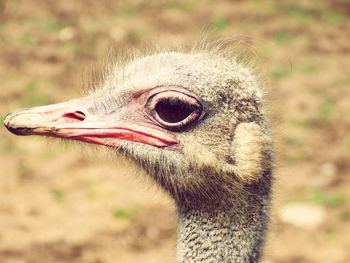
{"x": 62, "y": 203}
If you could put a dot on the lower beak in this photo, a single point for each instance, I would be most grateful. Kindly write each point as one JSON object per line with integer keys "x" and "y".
{"x": 72, "y": 120}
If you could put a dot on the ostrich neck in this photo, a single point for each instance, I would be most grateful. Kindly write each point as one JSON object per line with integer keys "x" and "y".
{"x": 231, "y": 231}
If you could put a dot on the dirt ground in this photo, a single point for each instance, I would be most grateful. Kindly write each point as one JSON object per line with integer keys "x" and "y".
{"x": 66, "y": 203}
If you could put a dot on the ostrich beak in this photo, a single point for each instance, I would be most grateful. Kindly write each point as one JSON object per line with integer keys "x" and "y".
{"x": 72, "y": 120}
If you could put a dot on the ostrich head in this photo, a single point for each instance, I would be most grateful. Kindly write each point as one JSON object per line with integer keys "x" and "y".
{"x": 194, "y": 122}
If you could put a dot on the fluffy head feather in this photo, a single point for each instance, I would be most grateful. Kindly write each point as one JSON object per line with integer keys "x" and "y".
{"x": 228, "y": 149}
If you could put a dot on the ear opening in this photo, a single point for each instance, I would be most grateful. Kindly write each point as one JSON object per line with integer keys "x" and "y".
{"x": 249, "y": 149}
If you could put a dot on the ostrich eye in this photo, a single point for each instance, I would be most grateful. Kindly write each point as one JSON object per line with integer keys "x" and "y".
{"x": 174, "y": 110}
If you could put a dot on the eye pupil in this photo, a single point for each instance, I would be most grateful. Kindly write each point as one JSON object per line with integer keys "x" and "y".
{"x": 173, "y": 110}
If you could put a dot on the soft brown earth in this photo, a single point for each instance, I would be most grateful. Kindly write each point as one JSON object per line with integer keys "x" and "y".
{"x": 66, "y": 204}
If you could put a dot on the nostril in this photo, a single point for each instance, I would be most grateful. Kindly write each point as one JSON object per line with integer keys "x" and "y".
{"x": 79, "y": 115}
{"x": 76, "y": 116}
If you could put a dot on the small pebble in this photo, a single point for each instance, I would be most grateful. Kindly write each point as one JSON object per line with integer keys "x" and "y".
{"x": 326, "y": 176}
{"x": 328, "y": 169}
{"x": 303, "y": 215}
{"x": 66, "y": 34}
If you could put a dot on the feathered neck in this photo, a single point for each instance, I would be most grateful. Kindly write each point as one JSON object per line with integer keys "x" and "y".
{"x": 227, "y": 231}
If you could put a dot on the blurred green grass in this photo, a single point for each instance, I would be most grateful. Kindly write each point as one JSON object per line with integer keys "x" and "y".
{"x": 331, "y": 200}
{"x": 33, "y": 96}
{"x": 219, "y": 23}
{"x": 323, "y": 197}
{"x": 283, "y": 37}
{"x": 125, "y": 213}
{"x": 280, "y": 72}
{"x": 48, "y": 24}
{"x": 310, "y": 14}
{"x": 326, "y": 110}
{"x": 58, "y": 195}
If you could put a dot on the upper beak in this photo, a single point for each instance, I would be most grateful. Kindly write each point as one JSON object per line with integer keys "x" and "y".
{"x": 72, "y": 120}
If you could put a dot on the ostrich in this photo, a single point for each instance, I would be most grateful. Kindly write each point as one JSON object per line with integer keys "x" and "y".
{"x": 195, "y": 123}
